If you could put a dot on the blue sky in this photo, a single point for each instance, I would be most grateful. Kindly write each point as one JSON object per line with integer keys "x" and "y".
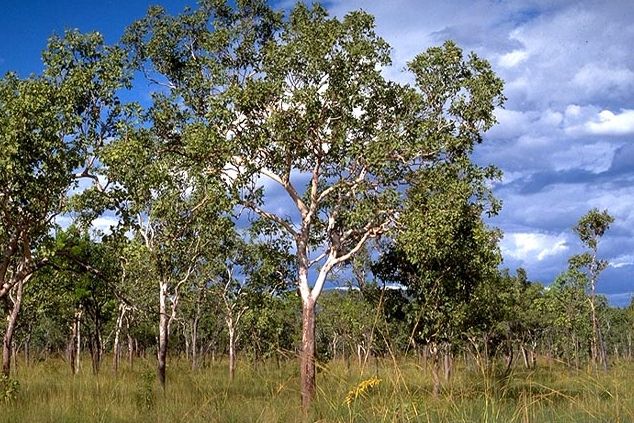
{"x": 565, "y": 140}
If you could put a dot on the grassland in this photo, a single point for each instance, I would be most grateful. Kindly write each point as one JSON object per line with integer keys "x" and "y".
{"x": 47, "y": 392}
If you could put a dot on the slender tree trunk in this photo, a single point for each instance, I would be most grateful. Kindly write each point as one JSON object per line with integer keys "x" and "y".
{"x": 76, "y": 348}
{"x": 595, "y": 332}
{"x": 116, "y": 349}
{"x": 186, "y": 338}
{"x": 232, "y": 349}
{"x": 130, "y": 341}
{"x": 163, "y": 333}
{"x": 599, "y": 352}
{"x": 307, "y": 370}
{"x": 194, "y": 343}
{"x": 576, "y": 352}
{"x": 448, "y": 364}
{"x": 525, "y": 356}
{"x": 509, "y": 356}
{"x": 12, "y": 320}
{"x": 435, "y": 367}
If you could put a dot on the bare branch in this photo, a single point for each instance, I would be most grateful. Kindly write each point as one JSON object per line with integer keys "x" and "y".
{"x": 272, "y": 217}
{"x": 319, "y": 258}
{"x": 290, "y": 189}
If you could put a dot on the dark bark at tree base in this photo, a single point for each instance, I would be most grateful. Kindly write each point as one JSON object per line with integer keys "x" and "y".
{"x": 307, "y": 366}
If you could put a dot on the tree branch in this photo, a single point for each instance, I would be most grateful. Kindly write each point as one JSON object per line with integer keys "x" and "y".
{"x": 272, "y": 217}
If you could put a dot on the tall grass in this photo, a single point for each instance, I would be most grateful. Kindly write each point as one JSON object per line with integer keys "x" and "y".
{"x": 270, "y": 393}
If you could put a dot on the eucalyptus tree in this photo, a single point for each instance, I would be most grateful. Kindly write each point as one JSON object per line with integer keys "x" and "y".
{"x": 443, "y": 253}
{"x": 250, "y": 270}
{"x": 568, "y": 311}
{"x": 49, "y": 124}
{"x": 590, "y": 229}
{"x": 175, "y": 215}
{"x": 346, "y": 323}
{"x": 298, "y": 104}
{"x": 87, "y": 272}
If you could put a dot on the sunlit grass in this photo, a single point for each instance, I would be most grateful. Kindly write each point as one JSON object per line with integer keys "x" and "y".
{"x": 270, "y": 393}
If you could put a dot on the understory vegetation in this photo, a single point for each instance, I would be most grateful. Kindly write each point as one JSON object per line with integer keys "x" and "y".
{"x": 269, "y": 392}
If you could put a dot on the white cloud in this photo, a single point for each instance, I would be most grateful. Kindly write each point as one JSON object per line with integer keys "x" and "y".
{"x": 532, "y": 246}
{"x": 572, "y": 111}
{"x": 513, "y": 58}
{"x": 609, "y": 123}
{"x": 595, "y": 157}
{"x": 105, "y": 224}
{"x": 511, "y": 123}
{"x": 622, "y": 261}
{"x": 595, "y": 78}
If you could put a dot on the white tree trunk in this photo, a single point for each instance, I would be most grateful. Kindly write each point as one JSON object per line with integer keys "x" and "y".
{"x": 12, "y": 318}
{"x": 163, "y": 333}
{"x": 116, "y": 349}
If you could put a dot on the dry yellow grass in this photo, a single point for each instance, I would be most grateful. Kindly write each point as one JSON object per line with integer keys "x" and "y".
{"x": 385, "y": 391}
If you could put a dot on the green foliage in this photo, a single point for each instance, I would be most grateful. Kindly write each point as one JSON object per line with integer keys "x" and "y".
{"x": 592, "y": 226}
{"x": 345, "y": 322}
{"x": 568, "y": 309}
{"x": 244, "y": 94}
{"x": 444, "y": 251}
{"x": 270, "y": 326}
{"x": 9, "y": 389}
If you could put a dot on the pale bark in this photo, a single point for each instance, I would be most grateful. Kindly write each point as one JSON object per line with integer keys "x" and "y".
{"x": 232, "y": 349}
{"x": 448, "y": 365}
{"x": 130, "y": 341}
{"x": 78, "y": 315}
{"x": 525, "y": 356}
{"x": 340, "y": 246}
{"x": 116, "y": 349}
{"x": 163, "y": 333}
{"x": 435, "y": 370}
{"x": 194, "y": 342}
{"x": 233, "y": 314}
{"x": 12, "y": 319}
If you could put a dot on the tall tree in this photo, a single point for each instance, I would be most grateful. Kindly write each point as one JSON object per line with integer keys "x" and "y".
{"x": 175, "y": 215}
{"x": 590, "y": 229}
{"x": 568, "y": 312}
{"x": 49, "y": 124}
{"x": 301, "y": 103}
{"x": 443, "y": 252}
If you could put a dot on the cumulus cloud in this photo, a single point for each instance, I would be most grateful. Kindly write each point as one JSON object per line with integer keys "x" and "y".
{"x": 622, "y": 261}
{"x": 609, "y": 123}
{"x": 593, "y": 157}
{"x": 598, "y": 77}
{"x": 105, "y": 224}
{"x": 530, "y": 247}
{"x": 512, "y": 59}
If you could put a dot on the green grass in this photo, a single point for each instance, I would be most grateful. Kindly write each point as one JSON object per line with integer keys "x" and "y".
{"x": 268, "y": 393}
